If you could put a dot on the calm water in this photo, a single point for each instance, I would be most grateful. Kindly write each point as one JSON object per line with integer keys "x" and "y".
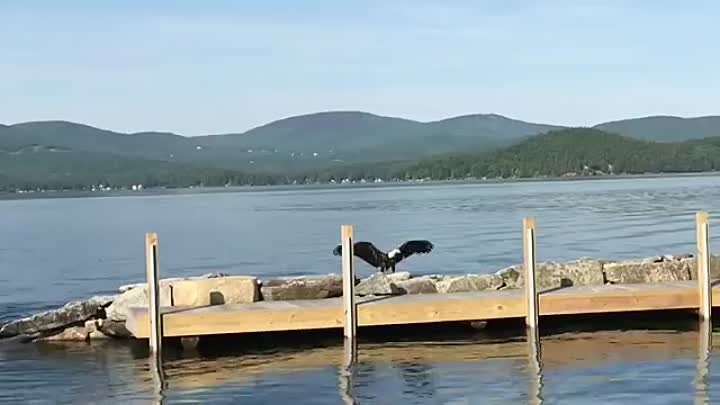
{"x": 52, "y": 251}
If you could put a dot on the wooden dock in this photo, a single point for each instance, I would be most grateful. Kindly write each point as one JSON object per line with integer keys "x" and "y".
{"x": 350, "y": 312}
{"x": 273, "y": 316}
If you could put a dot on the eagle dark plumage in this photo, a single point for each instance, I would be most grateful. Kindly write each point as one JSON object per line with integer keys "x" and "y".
{"x": 384, "y": 261}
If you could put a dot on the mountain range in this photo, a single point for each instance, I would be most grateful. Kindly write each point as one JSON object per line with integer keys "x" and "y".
{"x": 296, "y": 144}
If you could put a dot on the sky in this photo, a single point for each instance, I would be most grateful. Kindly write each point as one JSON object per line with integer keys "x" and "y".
{"x": 205, "y": 67}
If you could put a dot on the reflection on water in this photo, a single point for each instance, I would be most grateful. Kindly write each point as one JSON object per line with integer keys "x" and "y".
{"x": 703, "y": 363}
{"x": 535, "y": 367}
{"x": 600, "y": 367}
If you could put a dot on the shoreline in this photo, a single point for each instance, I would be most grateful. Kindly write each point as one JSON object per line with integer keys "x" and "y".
{"x": 161, "y": 191}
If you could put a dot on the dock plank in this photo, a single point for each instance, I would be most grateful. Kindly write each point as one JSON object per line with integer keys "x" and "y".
{"x": 273, "y": 316}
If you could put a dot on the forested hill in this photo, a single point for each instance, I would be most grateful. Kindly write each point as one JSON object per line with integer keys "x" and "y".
{"x": 576, "y": 151}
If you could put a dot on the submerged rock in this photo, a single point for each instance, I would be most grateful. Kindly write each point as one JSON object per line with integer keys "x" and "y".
{"x": 70, "y": 314}
{"x": 469, "y": 283}
{"x": 376, "y": 284}
{"x": 302, "y": 288}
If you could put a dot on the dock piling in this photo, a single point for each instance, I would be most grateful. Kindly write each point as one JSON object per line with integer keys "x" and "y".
{"x": 529, "y": 246}
{"x": 703, "y": 266}
{"x": 153, "y": 281}
{"x": 348, "y": 277}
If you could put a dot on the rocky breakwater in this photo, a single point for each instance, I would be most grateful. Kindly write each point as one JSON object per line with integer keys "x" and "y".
{"x": 103, "y": 317}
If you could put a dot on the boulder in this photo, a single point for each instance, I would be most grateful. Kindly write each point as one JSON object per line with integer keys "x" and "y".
{"x": 215, "y": 291}
{"x": 376, "y": 284}
{"x": 74, "y": 334}
{"x": 135, "y": 297}
{"x": 398, "y": 277}
{"x": 165, "y": 281}
{"x": 714, "y": 267}
{"x": 469, "y": 283}
{"x": 654, "y": 270}
{"x": 97, "y": 335}
{"x": 511, "y": 276}
{"x": 115, "y": 329}
{"x": 302, "y": 288}
{"x": 72, "y": 313}
{"x": 554, "y": 275}
{"x": 420, "y": 285}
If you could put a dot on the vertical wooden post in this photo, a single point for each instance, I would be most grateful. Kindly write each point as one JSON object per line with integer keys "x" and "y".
{"x": 529, "y": 245}
{"x": 153, "y": 282}
{"x": 703, "y": 266}
{"x": 348, "y": 276}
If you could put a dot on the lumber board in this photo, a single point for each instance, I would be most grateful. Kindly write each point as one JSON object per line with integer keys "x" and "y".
{"x": 273, "y": 316}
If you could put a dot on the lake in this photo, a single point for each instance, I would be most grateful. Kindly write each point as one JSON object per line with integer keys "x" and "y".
{"x": 56, "y": 250}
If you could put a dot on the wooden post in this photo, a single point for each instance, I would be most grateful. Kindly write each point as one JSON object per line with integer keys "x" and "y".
{"x": 703, "y": 266}
{"x": 153, "y": 282}
{"x": 529, "y": 245}
{"x": 348, "y": 276}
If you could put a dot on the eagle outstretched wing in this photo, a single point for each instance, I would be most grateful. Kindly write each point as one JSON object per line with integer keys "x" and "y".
{"x": 415, "y": 246}
{"x": 364, "y": 250}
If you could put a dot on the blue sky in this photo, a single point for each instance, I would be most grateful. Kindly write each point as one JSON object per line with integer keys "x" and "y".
{"x": 199, "y": 67}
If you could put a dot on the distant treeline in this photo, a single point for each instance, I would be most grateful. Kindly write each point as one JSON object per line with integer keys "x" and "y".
{"x": 575, "y": 151}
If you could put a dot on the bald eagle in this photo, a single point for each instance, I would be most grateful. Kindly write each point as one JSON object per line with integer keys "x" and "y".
{"x": 383, "y": 261}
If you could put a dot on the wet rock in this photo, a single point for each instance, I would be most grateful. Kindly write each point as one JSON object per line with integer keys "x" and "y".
{"x": 469, "y": 283}
{"x": 376, "y": 284}
{"x": 215, "y": 291}
{"x": 648, "y": 271}
{"x": 420, "y": 285}
{"x": 302, "y": 288}
{"x": 135, "y": 297}
{"x": 70, "y": 314}
{"x": 74, "y": 334}
{"x": 115, "y": 329}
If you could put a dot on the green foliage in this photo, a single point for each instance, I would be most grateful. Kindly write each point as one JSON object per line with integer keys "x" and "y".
{"x": 576, "y": 151}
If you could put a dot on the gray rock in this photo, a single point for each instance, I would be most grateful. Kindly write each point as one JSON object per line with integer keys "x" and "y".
{"x": 97, "y": 335}
{"x": 376, "y": 284}
{"x": 115, "y": 329}
{"x": 74, "y": 333}
{"x": 420, "y": 285}
{"x": 167, "y": 281}
{"x": 469, "y": 283}
{"x": 302, "y": 288}
{"x": 399, "y": 276}
{"x": 511, "y": 276}
{"x": 70, "y": 314}
{"x": 553, "y": 275}
{"x": 135, "y": 297}
{"x": 649, "y": 271}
